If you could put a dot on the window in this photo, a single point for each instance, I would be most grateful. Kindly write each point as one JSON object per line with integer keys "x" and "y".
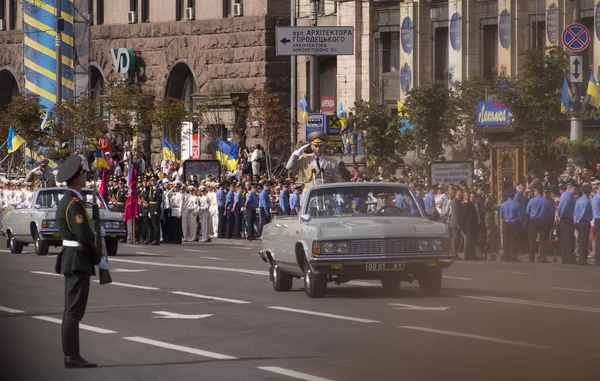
{"x": 133, "y": 5}
{"x": 2, "y": 9}
{"x": 179, "y": 10}
{"x": 490, "y": 52}
{"x": 12, "y": 14}
{"x": 538, "y": 35}
{"x": 441, "y": 54}
{"x": 99, "y": 12}
{"x": 229, "y": 7}
{"x": 390, "y": 49}
{"x": 145, "y": 14}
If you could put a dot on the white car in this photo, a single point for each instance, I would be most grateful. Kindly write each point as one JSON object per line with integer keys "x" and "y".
{"x": 346, "y": 231}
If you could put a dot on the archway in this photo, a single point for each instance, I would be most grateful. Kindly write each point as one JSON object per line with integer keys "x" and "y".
{"x": 8, "y": 88}
{"x": 181, "y": 84}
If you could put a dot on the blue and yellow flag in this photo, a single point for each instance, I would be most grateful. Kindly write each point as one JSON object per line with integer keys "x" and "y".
{"x": 593, "y": 96}
{"x": 14, "y": 140}
{"x": 305, "y": 111}
{"x": 168, "y": 152}
{"x": 227, "y": 154}
{"x": 99, "y": 160}
{"x": 566, "y": 101}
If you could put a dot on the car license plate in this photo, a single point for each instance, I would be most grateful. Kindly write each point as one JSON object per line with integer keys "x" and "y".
{"x": 112, "y": 236}
{"x": 384, "y": 266}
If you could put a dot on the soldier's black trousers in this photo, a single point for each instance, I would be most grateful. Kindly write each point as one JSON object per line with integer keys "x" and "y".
{"x": 510, "y": 239}
{"x": 155, "y": 219}
{"x": 77, "y": 289}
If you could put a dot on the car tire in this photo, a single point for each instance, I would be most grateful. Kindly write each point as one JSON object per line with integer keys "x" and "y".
{"x": 430, "y": 282}
{"x": 15, "y": 246}
{"x": 391, "y": 284}
{"x": 315, "y": 285}
{"x": 112, "y": 246}
{"x": 281, "y": 281}
{"x": 42, "y": 246}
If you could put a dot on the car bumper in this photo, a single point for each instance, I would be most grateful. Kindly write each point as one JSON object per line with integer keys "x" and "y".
{"x": 54, "y": 234}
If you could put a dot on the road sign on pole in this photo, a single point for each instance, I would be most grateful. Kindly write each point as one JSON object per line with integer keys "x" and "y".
{"x": 575, "y": 65}
{"x": 576, "y": 38}
{"x": 314, "y": 40}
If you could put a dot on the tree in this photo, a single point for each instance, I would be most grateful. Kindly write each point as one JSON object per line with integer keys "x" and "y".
{"x": 169, "y": 114}
{"x": 533, "y": 98}
{"x": 267, "y": 112}
{"x": 431, "y": 110}
{"x": 25, "y": 114}
{"x": 384, "y": 143}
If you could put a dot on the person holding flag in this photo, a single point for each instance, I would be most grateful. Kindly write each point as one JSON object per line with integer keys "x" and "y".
{"x": 345, "y": 130}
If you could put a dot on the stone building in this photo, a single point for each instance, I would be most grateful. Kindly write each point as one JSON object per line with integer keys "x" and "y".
{"x": 184, "y": 48}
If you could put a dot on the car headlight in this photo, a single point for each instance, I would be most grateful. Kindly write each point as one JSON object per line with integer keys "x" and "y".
{"x": 112, "y": 224}
{"x": 335, "y": 247}
{"x": 48, "y": 224}
{"x": 423, "y": 245}
{"x": 437, "y": 245}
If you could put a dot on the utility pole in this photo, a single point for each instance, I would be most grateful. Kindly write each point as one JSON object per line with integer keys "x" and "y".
{"x": 60, "y": 26}
{"x": 293, "y": 94}
{"x": 578, "y": 105}
{"x": 314, "y": 60}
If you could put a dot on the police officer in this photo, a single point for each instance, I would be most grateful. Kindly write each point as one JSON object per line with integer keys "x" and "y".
{"x": 540, "y": 214}
{"x": 264, "y": 203}
{"x": 229, "y": 217}
{"x": 284, "y": 199}
{"x": 77, "y": 259}
{"x": 295, "y": 200}
{"x": 41, "y": 177}
{"x": 510, "y": 212}
{"x": 238, "y": 201}
{"x": 596, "y": 213}
{"x": 221, "y": 225}
{"x": 155, "y": 199}
{"x": 582, "y": 218}
{"x": 566, "y": 208}
{"x": 251, "y": 206}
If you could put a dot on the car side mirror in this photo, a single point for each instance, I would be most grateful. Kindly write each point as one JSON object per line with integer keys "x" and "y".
{"x": 305, "y": 218}
{"x": 37, "y": 206}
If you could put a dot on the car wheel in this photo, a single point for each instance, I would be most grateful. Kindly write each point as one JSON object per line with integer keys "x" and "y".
{"x": 112, "y": 246}
{"x": 15, "y": 246}
{"x": 430, "y": 282}
{"x": 281, "y": 280}
{"x": 41, "y": 245}
{"x": 315, "y": 285}
{"x": 391, "y": 284}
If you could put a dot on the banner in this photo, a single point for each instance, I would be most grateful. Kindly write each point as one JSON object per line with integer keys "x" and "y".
{"x": 406, "y": 48}
{"x": 596, "y": 40}
{"x": 455, "y": 34}
{"x": 553, "y": 24}
{"x": 505, "y": 37}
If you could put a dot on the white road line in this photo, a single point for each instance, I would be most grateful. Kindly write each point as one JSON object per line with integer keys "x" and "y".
{"x": 44, "y": 273}
{"x": 292, "y": 373}
{"x": 572, "y": 289}
{"x": 136, "y": 246}
{"x": 126, "y": 271}
{"x": 131, "y": 285}
{"x": 359, "y": 283}
{"x": 4, "y": 251}
{"x": 236, "y": 301}
{"x": 239, "y": 248}
{"x": 332, "y": 316}
{"x": 144, "y": 253}
{"x": 455, "y": 277}
{"x": 510, "y": 272}
{"x": 196, "y": 251}
{"x": 81, "y": 326}
{"x": 476, "y": 337}
{"x": 180, "y": 348}
{"x": 175, "y": 265}
{"x": 463, "y": 262}
{"x": 562, "y": 270}
{"x": 11, "y": 311}
{"x": 526, "y": 302}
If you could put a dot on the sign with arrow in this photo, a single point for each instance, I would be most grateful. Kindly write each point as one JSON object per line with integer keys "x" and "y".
{"x": 314, "y": 40}
{"x": 172, "y": 315}
{"x": 575, "y": 65}
{"x": 416, "y": 308}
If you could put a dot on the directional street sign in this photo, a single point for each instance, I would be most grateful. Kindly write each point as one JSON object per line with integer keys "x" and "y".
{"x": 576, "y": 38}
{"x": 314, "y": 40}
{"x": 173, "y": 315}
{"x": 575, "y": 69}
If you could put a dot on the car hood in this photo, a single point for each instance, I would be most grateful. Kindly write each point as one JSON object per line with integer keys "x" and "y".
{"x": 382, "y": 227}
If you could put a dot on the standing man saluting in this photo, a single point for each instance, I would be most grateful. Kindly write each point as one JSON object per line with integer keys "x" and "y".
{"x": 315, "y": 166}
{"x": 76, "y": 261}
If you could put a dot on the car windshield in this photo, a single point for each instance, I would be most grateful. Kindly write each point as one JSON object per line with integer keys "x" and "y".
{"x": 346, "y": 201}
{"x": 49, "y": 198}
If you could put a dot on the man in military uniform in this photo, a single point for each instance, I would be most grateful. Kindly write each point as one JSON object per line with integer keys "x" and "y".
{"x": 41, "y": 177}
{"x": 77, "y": 259}
{"x": 316, "y": 167}
{"x": 120, "y": 193}
{"x": 155, "y": 199}
{"x": 144, "y": 222}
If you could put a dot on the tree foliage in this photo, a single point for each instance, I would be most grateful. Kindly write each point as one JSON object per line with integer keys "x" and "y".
{"x": 131, "y": 107}
{"x": 533, "y": 98}
{"x": 384, "y": 143}
{"x": 167, "y": 117}
{"x": 25, "y": 114}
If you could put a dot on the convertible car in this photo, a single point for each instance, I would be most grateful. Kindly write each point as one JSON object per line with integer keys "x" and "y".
{"x": 346, "y": 231}
{"x": 37, "y": 223}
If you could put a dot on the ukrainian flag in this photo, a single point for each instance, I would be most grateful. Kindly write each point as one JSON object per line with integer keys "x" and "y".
{"x": 593, "y": 96}
{"x": 227, "y": 154}
{"x": 168, "y": 152}
{"x": 304, "y": 114}
{"x": 99, "y": 160}
{"x": 14, "y": 140}
{"x": 566, "y": 101}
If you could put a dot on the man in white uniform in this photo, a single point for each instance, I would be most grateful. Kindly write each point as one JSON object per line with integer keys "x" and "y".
{"x": 192, "y": 207}
{"x": 214, "y": 209}
{"x": 205, "y": 217}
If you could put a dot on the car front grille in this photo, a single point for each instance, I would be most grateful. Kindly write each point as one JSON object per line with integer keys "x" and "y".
{"x": 384, "y": 246}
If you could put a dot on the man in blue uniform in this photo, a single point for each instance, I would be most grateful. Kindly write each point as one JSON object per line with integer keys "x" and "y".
{"x": 221, "y": 209}
{"x": 295, "y": 200}
{"x": 251, "y": 206}
{"x": 582, "y": 217}
{"x": 566, "y": 207}
{"x": 510, "y": 213}
{"x": 238, "y": 203}
{"x": 596, "y": 213}
{"x": 284, "y": 199}
{"x": 265, "y": 206}
{"x": 539, "y": 213}
{"x": 229, "y": 217}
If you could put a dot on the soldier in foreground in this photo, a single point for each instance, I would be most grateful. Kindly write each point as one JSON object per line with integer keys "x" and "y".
{"x": 76, "y": 261}
{"x": 316, "y": 167}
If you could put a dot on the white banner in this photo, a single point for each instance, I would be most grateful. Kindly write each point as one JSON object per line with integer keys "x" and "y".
{"x": 406, "y": 48}
{"x": 455, "y": 48}
{"x": 450, "y": 172}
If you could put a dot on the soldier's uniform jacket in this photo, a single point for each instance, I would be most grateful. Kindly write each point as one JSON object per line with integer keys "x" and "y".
{"x": 74, "y": 225}
{"x": 122, "y": 199}
{"x": 305, "y": 164}
{"x": 41, "y": 180}
{"x": 155, "y": 200}
{"x": 143, "y": 206}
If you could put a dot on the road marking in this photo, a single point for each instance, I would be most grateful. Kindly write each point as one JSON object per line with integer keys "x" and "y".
{"x": 468, "y": 262}
{"x": 196, "y": 251}
{"x": 4, "y": 251}
{"x": 81, "y": 326}
{"x": 477, "y": 337}
{"x": 455, "y": 277}
{"x": 292, "y": 373}
{"x": 359, "y": 283}
{"x": 11, "y": 311}
{"x": 417, "y": 308}
{"x": 175, "y": 265}
{"x": 340, "y": 317}
{"x": 562, "y": 270}
{"x": 136, "y": 246}
{"x": 572, "y": 289}
{"x": 180, "y": 348}
{"x": 209, "y": 297}
{"x": 44, "y": 273}
{"x": 173, "y": 315}
{"x": 239, "y": 248}
{"x": 212, "y": 258}
{"x": 510, "y": 272}
{"x": 526, "y": 302}
{"x": 144, "y": 253}
{"x": 131, "y": 285}
{"x": 126, "y": 271}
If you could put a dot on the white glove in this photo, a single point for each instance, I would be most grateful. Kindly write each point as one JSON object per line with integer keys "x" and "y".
{"x": 300, "y": 150}
{"x": 103, "y": 265}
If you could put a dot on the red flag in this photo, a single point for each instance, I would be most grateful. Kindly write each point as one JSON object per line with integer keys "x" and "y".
{"x": 131, "y": 206}
{"x": 103, "y": 184}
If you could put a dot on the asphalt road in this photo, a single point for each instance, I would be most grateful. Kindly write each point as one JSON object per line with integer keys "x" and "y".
{"x": 209, "y": 312}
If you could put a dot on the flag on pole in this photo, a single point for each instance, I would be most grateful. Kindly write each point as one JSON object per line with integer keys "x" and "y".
{"x": 304, "y": 114}
{"x": 131, "y": 206}
{"x": 227, "y": 154}
{"x": 44, "y": 122}
{"x": 14, "y": 140}
{"x": 341, "y": 112}
{"x": 566, "y": 101}
{"x": 99, "y": 160}
{"x": 168, "y": 151}
{"x": 593, "y": 96}
{"x": 103, "y": 186}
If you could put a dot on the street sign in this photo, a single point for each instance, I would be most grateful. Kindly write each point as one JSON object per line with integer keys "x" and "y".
{"x": 575, "y": 69}
{"x": 314, "y": 40}
{"x": 576, "y": 38}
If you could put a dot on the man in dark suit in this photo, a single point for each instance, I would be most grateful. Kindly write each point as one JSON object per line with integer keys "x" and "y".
{"x": 470, "y": 225}
{"x": 454, "y": 223}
